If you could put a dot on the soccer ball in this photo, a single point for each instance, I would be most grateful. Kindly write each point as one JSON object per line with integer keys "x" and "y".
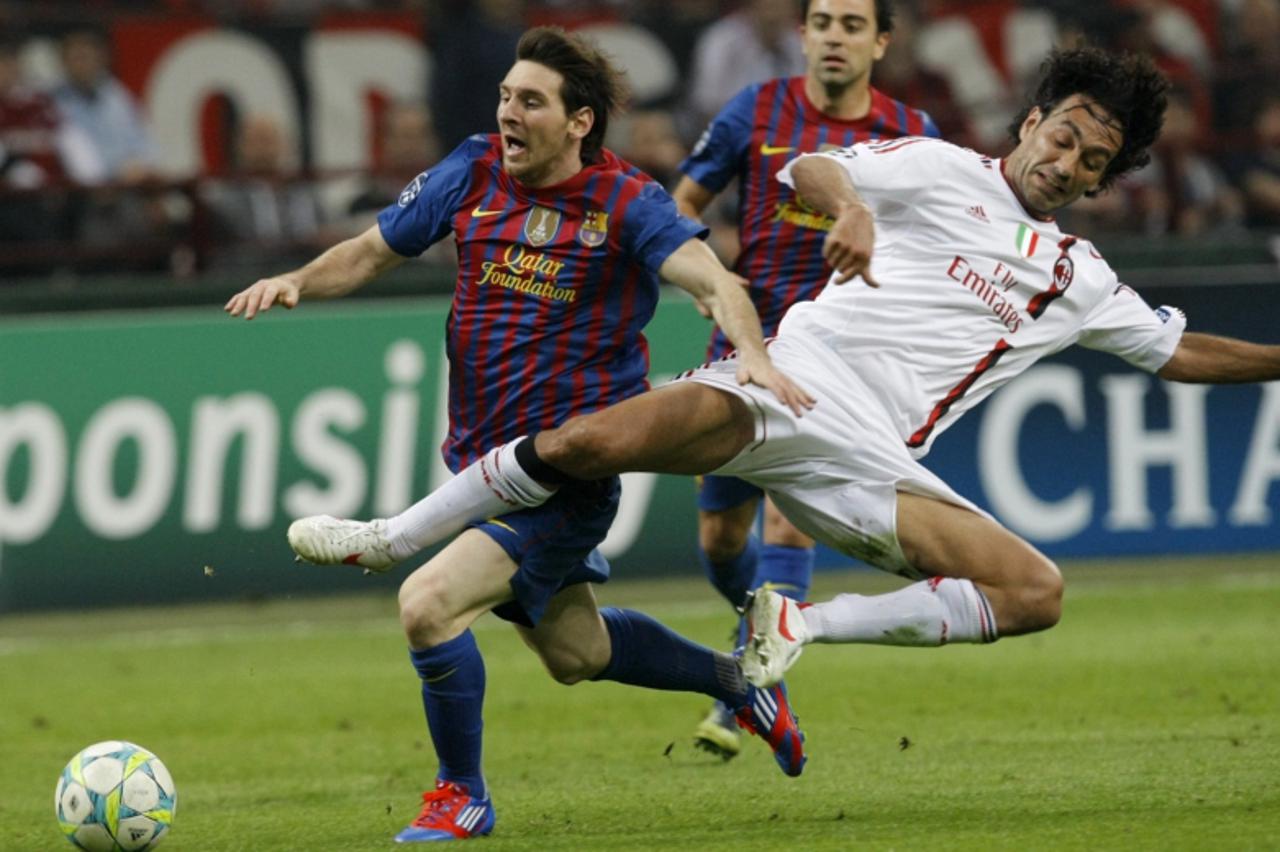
{"x": 115, "y": 796}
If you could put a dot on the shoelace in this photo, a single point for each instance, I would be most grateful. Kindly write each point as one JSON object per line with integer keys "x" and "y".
{"x": 438, "y": 805}
{"x": 359, "y": 532}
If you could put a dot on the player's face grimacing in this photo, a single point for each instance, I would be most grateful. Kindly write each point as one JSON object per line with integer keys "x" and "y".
{"x": 841, "y": 41}
{"x": 540, "y": 141}
{"x": 1062, "y": 155}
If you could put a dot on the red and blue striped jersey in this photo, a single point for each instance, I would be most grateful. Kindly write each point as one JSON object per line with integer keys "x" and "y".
{"x": 554, "y": 286}
{"x": 765, "y": 126}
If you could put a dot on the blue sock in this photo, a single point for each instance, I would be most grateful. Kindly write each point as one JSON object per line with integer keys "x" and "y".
{"x": 644, "y": 653}
{"x": 732, "y": 578}
{"x": 787, "y": 570}
{"x": 453, "y": 696}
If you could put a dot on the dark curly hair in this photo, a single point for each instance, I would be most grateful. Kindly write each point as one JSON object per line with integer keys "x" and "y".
{"x": 884, "y": 14}
{"x": 1128, "y": 86}
{"x": 590, "y": 78}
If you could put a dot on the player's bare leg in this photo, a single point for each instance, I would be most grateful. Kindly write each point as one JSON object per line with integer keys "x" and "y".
{"x": 985, "y": 582}
{"x": 442, "y": 598}
{"x": 682, "y": 428}
{"x": 570, "y": 639}
{"x": 577, "y": 641}
{"x": 685, "y": 428}
{"x": 1023, "y": 586}
{"x": 722, "y": 533}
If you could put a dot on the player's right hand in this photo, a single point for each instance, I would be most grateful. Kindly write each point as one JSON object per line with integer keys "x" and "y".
{"x": 848, "y": 244}
{"x": 262, "y": 295}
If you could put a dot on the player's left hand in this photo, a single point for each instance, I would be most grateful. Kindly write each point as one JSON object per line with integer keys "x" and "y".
{"x": 758, "y": 369}
{"x": 280, "y": 290}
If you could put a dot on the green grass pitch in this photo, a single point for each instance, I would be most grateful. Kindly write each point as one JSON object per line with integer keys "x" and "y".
{"x": 1149, "y": 719}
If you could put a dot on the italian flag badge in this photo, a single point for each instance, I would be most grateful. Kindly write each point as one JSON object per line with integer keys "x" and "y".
{"x": 1027, "y": 241}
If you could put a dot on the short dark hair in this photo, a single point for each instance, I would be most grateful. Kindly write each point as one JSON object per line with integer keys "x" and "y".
{"x": 590, "y": 78}
{"x": 1128, "y": 86}
{"x": 884, "y": 14}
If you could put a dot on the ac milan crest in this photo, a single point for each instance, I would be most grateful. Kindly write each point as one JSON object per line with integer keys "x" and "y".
{"x": 1063, "y": 272}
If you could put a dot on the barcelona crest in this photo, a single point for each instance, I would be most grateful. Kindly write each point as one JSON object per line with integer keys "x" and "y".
{"x": 541, "y": 225}
{"x": 595, "y": 228}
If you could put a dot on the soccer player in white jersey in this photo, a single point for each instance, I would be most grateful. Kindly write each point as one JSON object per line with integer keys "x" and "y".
{"x": 966, "y": 282}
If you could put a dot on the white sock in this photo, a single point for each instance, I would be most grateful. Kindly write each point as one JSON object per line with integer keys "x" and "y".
{"x": 932, "y": 612}
{"x": 493, "y": 485}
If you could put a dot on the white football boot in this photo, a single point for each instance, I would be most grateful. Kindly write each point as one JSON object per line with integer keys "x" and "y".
{"x": 325, "y": 540}
{"x": 776, "y": 635}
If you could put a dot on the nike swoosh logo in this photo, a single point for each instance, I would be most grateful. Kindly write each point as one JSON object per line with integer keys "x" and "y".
{"x": 480, "y": 213}
{"x": 439, "y": 678}
{"x": 768, "y": 150}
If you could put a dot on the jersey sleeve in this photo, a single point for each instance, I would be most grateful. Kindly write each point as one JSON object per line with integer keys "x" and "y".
{"x": 1123, "y": 324}
{"x": 716, "y": 157}
{"x": 422, "y": 214}
{"x": 930, "y": 127}
{"x": 652, "y": 228}
{"x": 891, "y": 172}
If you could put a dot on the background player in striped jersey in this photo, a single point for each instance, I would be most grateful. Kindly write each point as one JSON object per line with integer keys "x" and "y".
{"x": 959, "y": 301}
{"x": 560, "y": 245}
{"x": 764, "y": 127}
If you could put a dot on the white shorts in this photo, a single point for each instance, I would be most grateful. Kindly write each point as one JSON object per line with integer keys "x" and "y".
{"x": 835, "y": 472}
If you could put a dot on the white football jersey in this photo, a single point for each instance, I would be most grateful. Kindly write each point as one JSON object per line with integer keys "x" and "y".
{"x": 974, "y": 288}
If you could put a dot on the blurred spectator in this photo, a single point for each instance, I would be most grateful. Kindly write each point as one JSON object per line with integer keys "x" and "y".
{"x": 409, "y": 146}
{"x": 650, "y": 142}
{"x": 134, "y": 222}
{"x": 1177, "y": 35}
{"x": 38, "y": 151}
{"x": 758, "y": 42}
{"x": 473, "y": 49}
{"x": 1188, "y": 195}
{"x": 264, "y": 211}
{"x": 678, "y": 25}
{"x": 1248, "y": 69}
{"x": 900, "y": 75}
{"x": 1258, "y": 171}
{"x": 1137, "y": 29}
{"x": 40, "y": 147}
{"x": 97, "y": 103}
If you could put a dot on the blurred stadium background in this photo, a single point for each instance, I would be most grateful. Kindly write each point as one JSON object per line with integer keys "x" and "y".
{"x": 147, "y": 443}
{"x": 153, "y": 452}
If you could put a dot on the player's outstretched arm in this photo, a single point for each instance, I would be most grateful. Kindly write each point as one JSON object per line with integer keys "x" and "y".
{"x": 349, "y": 264}
{"x": 825, "y": 186}
{"x": 692, "y": 198}
{"x": 695, "y": 268}
{"x": 1209, "y": 359}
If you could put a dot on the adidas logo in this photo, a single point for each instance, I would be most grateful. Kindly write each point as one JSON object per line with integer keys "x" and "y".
{"x": 978, "y": 213}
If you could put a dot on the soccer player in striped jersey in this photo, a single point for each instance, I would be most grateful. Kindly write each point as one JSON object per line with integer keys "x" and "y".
{"x": 968, "y": 283}
{"x": 560, "y": 245}
{"x": 763, "y": 128}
